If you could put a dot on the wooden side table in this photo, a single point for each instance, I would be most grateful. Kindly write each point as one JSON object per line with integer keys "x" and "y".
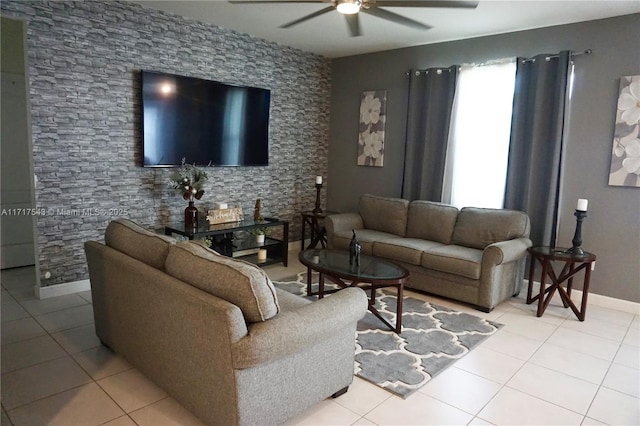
{"x": 316, "y": 227}
{"x": 572, "y": 265}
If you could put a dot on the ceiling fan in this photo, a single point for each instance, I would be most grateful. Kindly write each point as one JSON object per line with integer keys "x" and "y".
{"x": 351, "y": 8}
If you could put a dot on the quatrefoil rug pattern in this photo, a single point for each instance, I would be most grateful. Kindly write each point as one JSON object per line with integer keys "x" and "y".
{"x": 433, "y": 338}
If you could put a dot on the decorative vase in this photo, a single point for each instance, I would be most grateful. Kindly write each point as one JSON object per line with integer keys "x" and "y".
{"x": 354, "y": 250}
{"x": 260, "y": 238}
{"x": 191, "y": 216}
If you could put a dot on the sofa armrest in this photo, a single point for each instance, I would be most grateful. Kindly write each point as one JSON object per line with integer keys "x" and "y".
{"x": 342, "y": 222}
{"x": 505, "y": 251}
{"x": 292, "y": 331}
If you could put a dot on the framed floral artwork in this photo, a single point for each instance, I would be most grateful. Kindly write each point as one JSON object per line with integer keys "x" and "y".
{"x": 625, "y": 155}
{"x": 373, "y": 107}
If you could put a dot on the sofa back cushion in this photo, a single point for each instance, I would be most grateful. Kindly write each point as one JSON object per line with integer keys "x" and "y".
{"x": 384, "y": 214}
{"x": 238, "y": 282}
{"x": 129, "y": 238}
{"x": 477, "y": 227}
{"x": 431, "y": 221}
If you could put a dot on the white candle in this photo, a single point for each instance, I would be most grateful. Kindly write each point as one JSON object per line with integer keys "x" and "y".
{"x": 318, "y": 180}
{"x": 262, "y": 254}
{"x": 582, "y": 204}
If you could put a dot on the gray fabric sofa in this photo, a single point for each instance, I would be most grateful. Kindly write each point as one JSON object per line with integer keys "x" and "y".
{"x": 474, "y": 255}
{"x": 214, "y": 333}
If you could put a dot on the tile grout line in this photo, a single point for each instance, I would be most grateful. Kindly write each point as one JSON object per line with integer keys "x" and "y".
{"x": 68, "y": 355}
{"x": 600, "y": 385}
{"x": 604, "y": 377}
{"x": 505, "y": 384}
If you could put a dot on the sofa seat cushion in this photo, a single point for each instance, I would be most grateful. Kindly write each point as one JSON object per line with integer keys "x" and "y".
{"x": 477, "y": 227}
{"x": 129, "y": 238}
{"x": 241, "y": 283}
{"x": 384, "y": 214}
{"x": 366, "y": 237}
{"x": 453, "y": 259}
{"x": 431, "y": 221}
{"x": 407, "y": 250}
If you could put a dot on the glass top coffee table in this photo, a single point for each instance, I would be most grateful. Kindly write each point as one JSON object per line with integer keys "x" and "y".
{"x": 372, "y": 273}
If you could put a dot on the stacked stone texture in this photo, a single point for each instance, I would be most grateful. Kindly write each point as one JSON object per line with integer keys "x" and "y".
{"x": 84, "y": 66}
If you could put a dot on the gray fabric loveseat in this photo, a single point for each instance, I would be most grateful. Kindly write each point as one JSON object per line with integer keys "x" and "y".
{"x": 474, "y": 255}
{"x": 214, "y": 333}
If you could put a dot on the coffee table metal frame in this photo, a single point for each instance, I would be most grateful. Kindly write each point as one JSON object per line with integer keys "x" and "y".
{"x": 353, "y": 279}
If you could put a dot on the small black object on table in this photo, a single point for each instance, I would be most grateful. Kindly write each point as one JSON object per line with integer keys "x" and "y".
{"x": 573, "y": 263}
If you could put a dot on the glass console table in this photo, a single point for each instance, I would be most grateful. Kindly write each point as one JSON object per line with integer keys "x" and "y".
{"x": 224, "y": 239}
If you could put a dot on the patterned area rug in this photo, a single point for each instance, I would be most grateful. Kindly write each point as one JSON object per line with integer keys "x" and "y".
{"x": 433, "y": 338}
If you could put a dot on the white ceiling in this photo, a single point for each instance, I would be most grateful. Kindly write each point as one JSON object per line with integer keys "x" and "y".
{"x": 328, "y": 35}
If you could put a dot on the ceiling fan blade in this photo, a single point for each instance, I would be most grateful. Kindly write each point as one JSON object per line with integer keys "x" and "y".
{"x": 425, "y": 3}
{"x": 394, "y": 17}
{"x": 276, "y": 1}
{"x": 354, "y": 24}
{"x": 310, "y": 16}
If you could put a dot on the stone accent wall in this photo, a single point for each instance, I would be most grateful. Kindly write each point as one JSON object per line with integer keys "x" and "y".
{"x": 84, "y": 64}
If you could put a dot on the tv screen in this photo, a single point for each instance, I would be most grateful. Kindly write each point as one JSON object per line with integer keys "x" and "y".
{"x": 204, "y": 122}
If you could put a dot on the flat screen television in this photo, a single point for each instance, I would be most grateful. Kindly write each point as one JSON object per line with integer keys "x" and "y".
{"x": 204, "y": 122}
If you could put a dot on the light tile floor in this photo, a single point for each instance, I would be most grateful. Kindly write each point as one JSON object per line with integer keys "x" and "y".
{"x": 549, "y": 370}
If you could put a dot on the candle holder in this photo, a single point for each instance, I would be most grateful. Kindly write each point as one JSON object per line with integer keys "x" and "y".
{"x": 318, "y": 210}
{"x": 577, "y": 236}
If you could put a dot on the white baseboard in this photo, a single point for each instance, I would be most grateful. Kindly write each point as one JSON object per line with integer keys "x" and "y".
{"x": 62, "y": 289}
{"x": 294, "y": 245}
{"x": 612, "y": 303}
{"x": 595, "y": 299}
{"x": 84, "y": 285}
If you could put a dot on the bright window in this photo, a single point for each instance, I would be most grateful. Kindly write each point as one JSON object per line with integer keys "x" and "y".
{"x": 479, "y": 135}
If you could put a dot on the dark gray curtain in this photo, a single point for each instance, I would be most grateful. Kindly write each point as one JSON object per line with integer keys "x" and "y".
{"x": 430, "y": 101}
{"x": 535, "y": 151}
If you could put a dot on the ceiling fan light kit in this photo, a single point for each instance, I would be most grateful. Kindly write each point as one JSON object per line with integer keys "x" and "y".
{"x": 348, "y": 7}
{"x": 352, "y": 8}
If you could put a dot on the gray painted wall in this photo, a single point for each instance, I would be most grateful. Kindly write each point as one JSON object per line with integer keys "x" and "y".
{"x": 84, "y": 60}
{"x": 612, "y": 228}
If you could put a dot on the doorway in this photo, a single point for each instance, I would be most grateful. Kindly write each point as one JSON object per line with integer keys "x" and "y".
{"x": 17, "y": 181}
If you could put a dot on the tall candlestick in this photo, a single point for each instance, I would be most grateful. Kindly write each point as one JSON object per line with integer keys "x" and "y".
{"x": 577, "y": 236}
{"x": 318, "y": 210}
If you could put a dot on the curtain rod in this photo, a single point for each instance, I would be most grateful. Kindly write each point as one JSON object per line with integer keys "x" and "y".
{"x": 426, "y": 71}
{"x": 548, "y": 58}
